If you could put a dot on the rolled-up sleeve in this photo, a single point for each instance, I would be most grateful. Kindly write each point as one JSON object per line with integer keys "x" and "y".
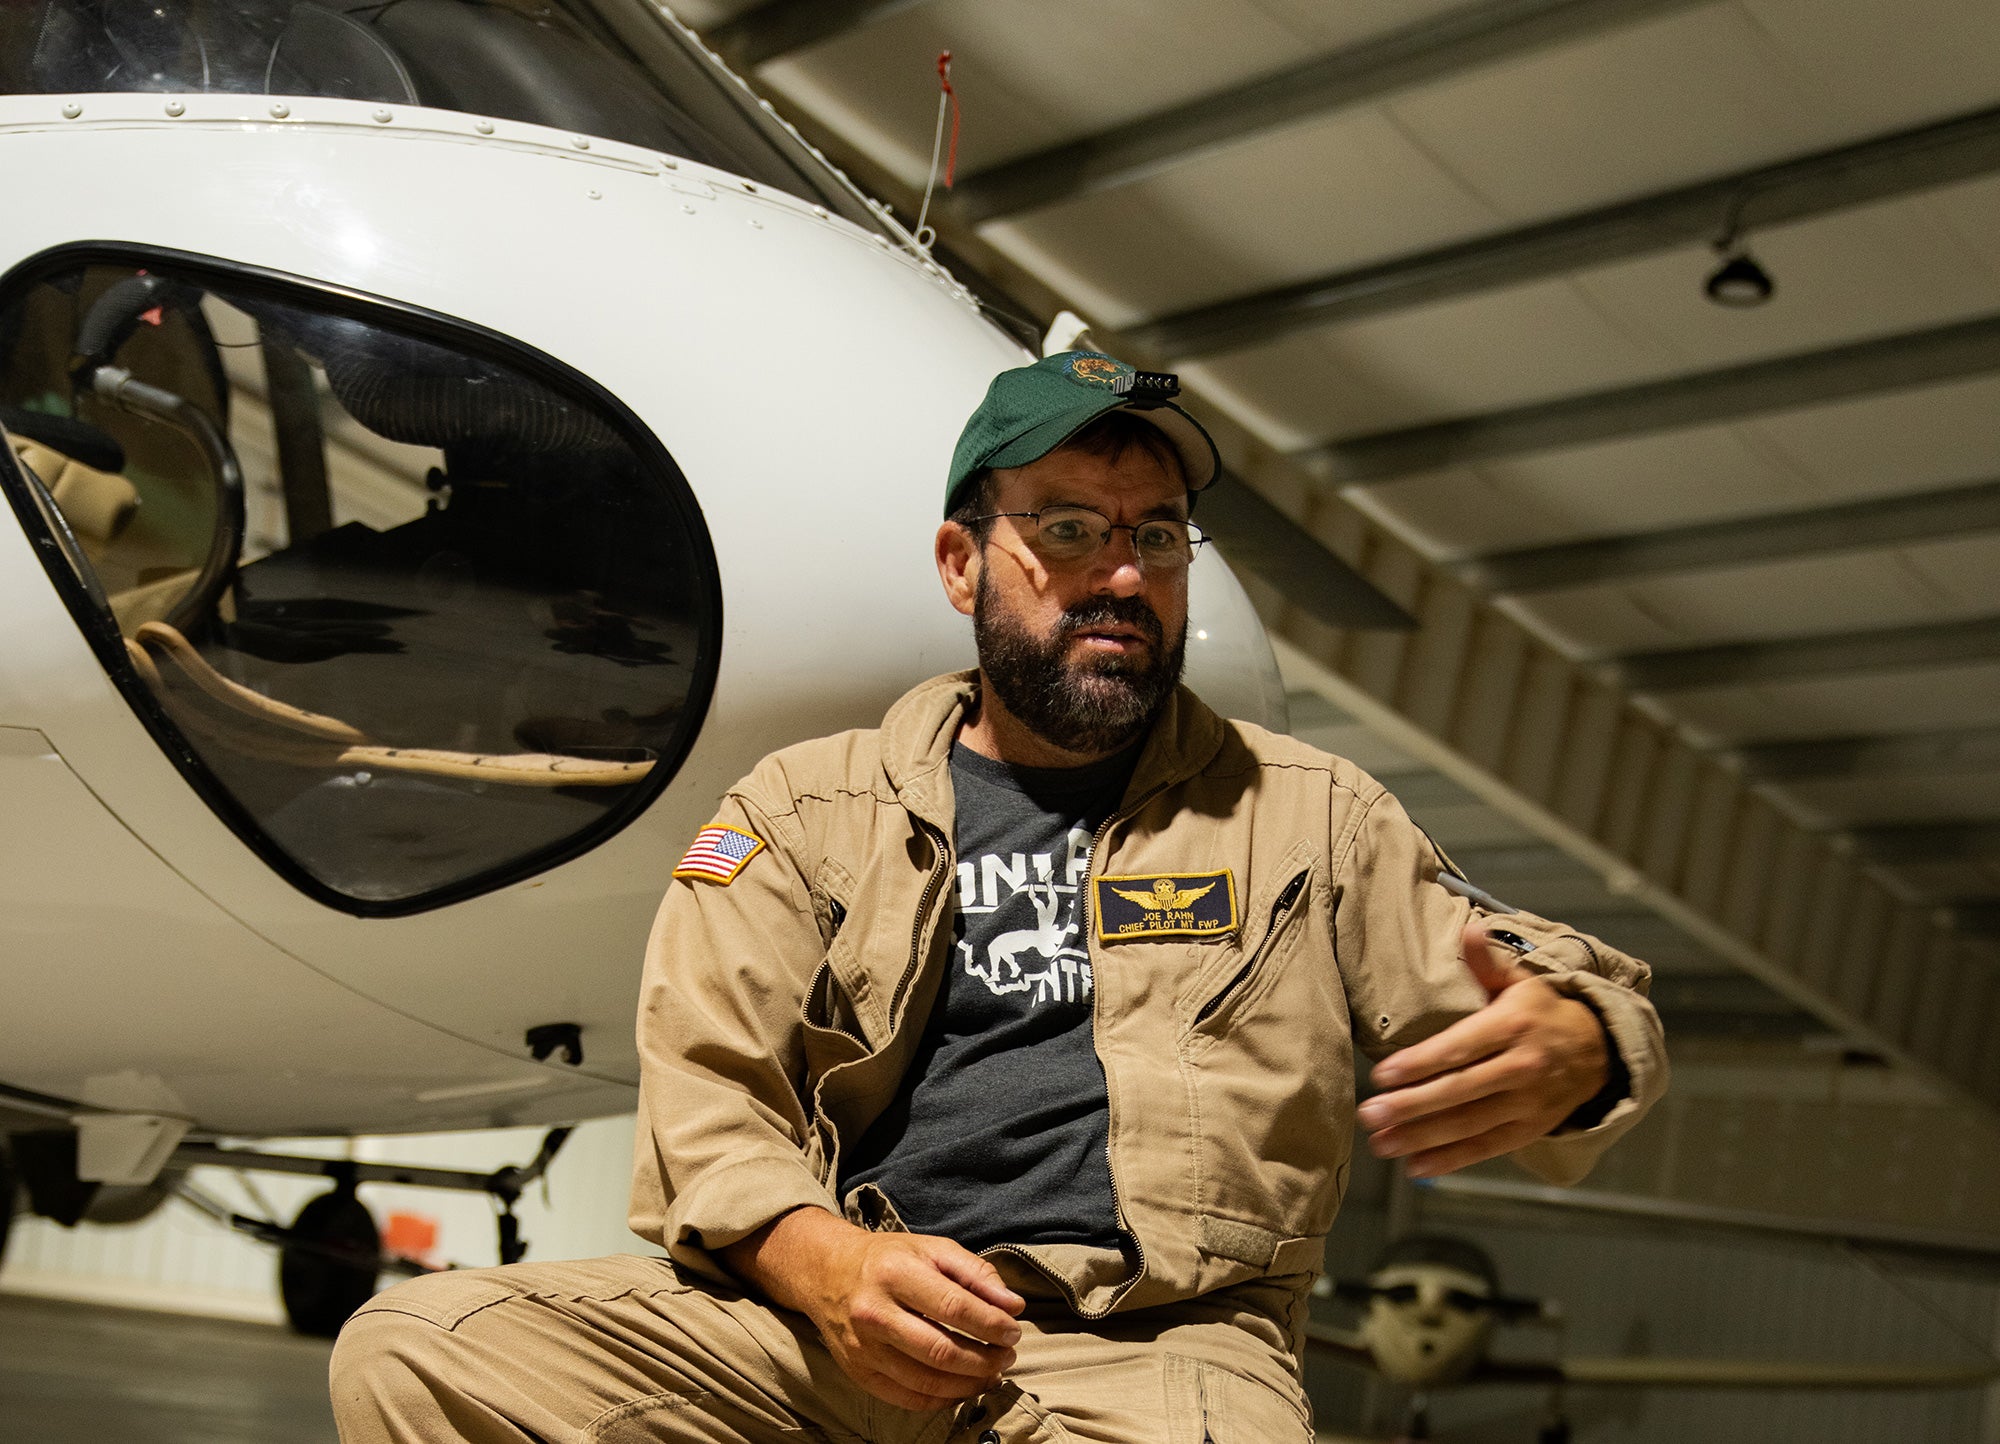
{"x": 1397, "y": 935}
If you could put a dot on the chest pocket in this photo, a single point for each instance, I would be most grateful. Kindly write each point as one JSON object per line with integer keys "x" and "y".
{"x": 1267, "y": 1064}
{"x": 1289, "y": 904}
{"x": 832, "y": 1025}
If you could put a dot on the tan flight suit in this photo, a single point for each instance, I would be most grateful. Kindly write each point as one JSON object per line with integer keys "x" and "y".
{"x": 781, "y": 1009}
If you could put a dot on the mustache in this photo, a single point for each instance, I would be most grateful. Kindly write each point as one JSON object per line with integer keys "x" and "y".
{"x": 1096, "y": 611}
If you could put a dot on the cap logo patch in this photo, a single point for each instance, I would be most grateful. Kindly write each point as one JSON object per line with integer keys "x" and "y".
{"x": 1177, "y": 905}
{"x": 718, "y": 854}
{"x": 1096, "y": 370}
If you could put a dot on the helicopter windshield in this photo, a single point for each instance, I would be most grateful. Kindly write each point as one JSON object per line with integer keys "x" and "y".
{"x": 418, "y": 612}
{"x": 595, "y": 67}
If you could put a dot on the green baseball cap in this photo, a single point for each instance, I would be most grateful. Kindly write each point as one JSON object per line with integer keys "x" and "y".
{"x": 1031, "y": 410}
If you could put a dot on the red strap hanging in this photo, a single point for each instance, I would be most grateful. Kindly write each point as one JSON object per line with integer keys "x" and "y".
{"x": 944, "y": 83}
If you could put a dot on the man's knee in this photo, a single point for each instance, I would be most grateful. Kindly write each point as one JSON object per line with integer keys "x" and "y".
{"x": 391, "y": 1357}
{"x": 373, "y": 1379}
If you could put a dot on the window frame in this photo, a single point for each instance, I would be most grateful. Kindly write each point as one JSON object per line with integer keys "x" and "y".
{"x": 100, "y": 627}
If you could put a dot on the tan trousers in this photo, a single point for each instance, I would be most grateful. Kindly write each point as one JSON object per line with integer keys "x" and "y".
{"x": 622, "y": 1349}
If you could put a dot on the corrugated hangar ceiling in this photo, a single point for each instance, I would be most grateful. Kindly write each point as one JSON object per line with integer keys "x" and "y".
{"x": 1707, "y": 597}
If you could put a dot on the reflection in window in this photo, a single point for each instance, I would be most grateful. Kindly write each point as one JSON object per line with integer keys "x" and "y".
{"x": 424, "y": 618}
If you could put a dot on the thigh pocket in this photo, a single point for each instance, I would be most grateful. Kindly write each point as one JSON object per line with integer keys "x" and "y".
{"x": 1207, "y": 1404}
{"x": 446, "y": 1299}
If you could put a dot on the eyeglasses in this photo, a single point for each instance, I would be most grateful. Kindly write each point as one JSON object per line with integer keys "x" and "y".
{"x": 1074, "y": 535}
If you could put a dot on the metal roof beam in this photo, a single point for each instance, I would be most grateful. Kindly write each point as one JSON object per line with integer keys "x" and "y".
{"x": 1892, "y": 843}
{"x": 1855, "y": 526}
{"x": 1721, "y": 990}
{"x": 1965, "y": 749}
{"x": 1877, "y": 169}
{"x": 1254, "y": 534}
{"x": 1429, "y": 50}
{"x": 1743, "y": 664}
{"x": 1889, "y": 363}
{"x": 779, "y": 27}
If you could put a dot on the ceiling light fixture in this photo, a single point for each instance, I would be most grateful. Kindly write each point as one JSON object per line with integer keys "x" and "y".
{"x": 1739, "y": 282}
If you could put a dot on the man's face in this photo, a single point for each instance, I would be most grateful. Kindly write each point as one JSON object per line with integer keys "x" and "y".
{"x": 1084, "y": 653}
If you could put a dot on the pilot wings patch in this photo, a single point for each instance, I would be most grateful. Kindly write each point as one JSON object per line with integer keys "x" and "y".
{"x": 1179, "y": 905}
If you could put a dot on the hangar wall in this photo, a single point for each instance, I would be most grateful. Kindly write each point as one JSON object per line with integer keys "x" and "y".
{"x": 1672, "y": 1290}
{"x": 1674, "y": 1293}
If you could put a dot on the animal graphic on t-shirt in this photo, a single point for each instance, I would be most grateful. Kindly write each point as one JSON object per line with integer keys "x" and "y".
{"x": 1002, "y": 971}
{"x": 1164, "y": 897}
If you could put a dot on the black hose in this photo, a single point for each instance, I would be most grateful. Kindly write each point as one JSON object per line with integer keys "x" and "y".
{"x": 78, "y": 440}
{"x": 226, "y": 543}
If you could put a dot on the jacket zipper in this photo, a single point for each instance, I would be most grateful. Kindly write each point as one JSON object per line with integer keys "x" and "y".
{"x": 1090, "y": 876}
{"x": 1280, "y": 910}
{"x": 940, "y": 866}
{"x": 1069, "y": 1293}
{"x": 837, "y": 914}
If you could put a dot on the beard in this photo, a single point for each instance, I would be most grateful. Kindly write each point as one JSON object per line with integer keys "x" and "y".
{"x": 1095, "y": 704}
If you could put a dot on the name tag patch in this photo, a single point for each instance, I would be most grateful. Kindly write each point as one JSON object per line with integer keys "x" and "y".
{"x": 1178, "y": 905}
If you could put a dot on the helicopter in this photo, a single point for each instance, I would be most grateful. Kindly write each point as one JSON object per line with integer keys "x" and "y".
{"x": 446, "y": 444}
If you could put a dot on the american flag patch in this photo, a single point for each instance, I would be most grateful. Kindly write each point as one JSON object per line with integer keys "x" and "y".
{"x": 718, "y": 853}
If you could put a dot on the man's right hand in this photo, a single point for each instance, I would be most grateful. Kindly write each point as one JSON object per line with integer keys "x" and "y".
{"x": 917, "y": 1321}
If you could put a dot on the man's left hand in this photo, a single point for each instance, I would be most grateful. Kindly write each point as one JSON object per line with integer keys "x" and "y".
{"x": 1490, "y": 1083}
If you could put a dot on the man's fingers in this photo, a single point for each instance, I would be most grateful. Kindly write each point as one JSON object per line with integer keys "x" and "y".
{"x": 927, "y": 1316}
{"x": 921, "y": 1356}
{"x": 981, "y": 1282}
{"x": 902, "y": 1326}
{"x": 889, "y": 1391}
{"x": 1501, "y": 1071}
{"x": 1470, "y": 1120}
{"x": 1468, "y": 1040}
{"x": 932, "y": 1295}
{"x": 1495, "y": 966}
{"x": 1467, "y": 1151}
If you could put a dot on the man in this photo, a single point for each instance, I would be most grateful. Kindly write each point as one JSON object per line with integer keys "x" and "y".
{"x": 998, "y": 1077}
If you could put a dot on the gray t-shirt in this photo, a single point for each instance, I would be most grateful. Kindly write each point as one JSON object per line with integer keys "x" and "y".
{"x": 999, "y": 1133}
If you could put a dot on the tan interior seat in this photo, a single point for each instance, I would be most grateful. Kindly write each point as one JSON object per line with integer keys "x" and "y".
{"x": 96, "y": 504}
{"x": 150, "y": 601}
{"x": 234, "y": 716}
{"x": 99, "y": 506}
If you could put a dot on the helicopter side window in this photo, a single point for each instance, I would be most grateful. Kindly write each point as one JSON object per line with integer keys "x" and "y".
{"x": 419, "y": 614}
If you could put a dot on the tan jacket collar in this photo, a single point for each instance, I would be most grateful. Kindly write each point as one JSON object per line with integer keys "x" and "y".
{"x": 919, "y": 729}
